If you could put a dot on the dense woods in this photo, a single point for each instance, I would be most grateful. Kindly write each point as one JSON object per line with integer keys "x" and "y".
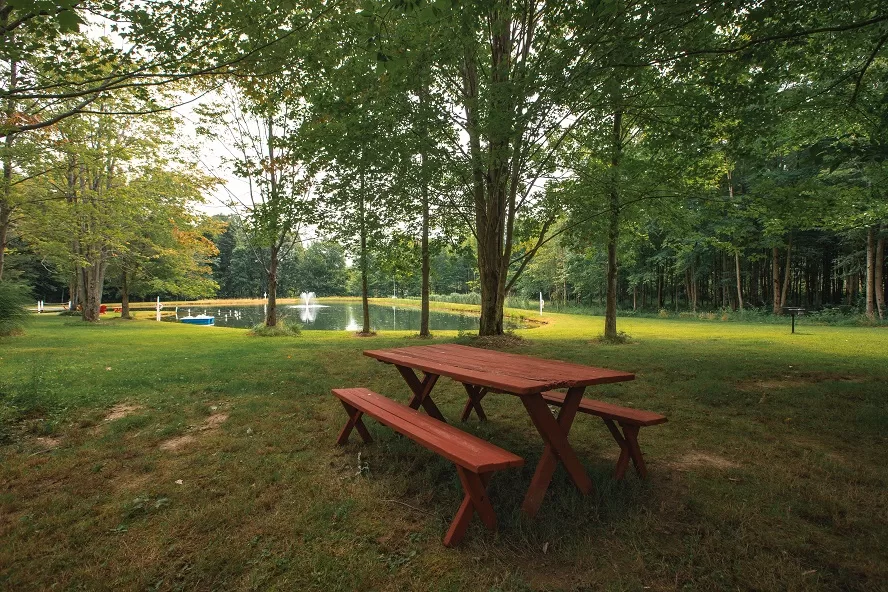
{"x": 676, "y": 156}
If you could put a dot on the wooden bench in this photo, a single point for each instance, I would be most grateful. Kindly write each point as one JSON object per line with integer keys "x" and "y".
{"x": 631, "y": 420}
{"x": 475, "y": 459}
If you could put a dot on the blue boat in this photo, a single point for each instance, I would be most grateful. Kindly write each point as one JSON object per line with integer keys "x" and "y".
{"x": 198, "y": 320}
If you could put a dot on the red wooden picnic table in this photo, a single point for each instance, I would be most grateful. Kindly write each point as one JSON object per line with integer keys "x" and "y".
{"x": 483, "y": 371}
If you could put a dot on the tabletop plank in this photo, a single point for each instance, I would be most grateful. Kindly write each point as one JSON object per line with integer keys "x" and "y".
{"x": 515, "y": 364}
{"x": 514, "y": 373}
{"x": 512, "y": 384}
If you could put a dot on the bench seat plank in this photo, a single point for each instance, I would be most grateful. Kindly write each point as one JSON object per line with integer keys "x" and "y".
{"x": 624, "y": 415}
{"x": 466, "y": 450}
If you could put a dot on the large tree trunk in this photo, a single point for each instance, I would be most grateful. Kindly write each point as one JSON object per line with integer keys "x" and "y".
{"x": 870, "y": 272}
{"x": 271, "y": 312}
{"x": 495, "y": 169}
{"x": 424, "y": 176}
{"x": 93, "y": 281}
{"x": 613, "y": 230}
{"x": 879, "y": 276}
{"x": 124, "y": 296}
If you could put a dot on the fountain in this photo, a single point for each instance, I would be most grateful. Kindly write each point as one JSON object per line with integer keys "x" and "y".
{"x": 308, "y": 310}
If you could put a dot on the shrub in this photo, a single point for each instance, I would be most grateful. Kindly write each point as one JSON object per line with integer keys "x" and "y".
{"x": 14, "y": 298}
{"x": 456, "y": 298}
{"x": 282, "y": 329}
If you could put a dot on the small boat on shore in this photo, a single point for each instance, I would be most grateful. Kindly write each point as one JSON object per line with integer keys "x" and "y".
{"x": 201, "y": 319}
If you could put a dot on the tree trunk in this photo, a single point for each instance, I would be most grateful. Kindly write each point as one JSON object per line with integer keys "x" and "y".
{"x": 775, "y": 280}
{"x": 613, "y": 234}
{"x": 488, "y": 213}
{"x": 76, "y": 289}
{"x": 5, "y": 220}
{"x": 274, "y": 252}
{"x": 365, "y": 303}
{"x": 424, "y": 190}
{"x": 271, "y": 312}
{"x": 879, "y": 276}
{"x": 870, "y": 272}
{"x": 124, "y": 296}
{"x": 787, "y": 276}
{"x": 826, "y": 292}
{"x": 739, "y": 282}
{"x": 6, "y": 190}
{"x": 93, "y": 281}
{"x": 660, "y": 281}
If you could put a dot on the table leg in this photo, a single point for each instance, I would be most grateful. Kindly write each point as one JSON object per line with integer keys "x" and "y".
{"x": 629, "y": 449}
{"x": 554, "y": 433}
{"x": 476, "y": 393}
{"x": 475, "y": 500}
{"x": 354, "y": 422}
{"x": 421, "y": 391}
{"x": 623, "y": 461}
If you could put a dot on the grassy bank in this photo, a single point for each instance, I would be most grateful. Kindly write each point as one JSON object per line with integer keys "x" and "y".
{"x": 141, "y": 455}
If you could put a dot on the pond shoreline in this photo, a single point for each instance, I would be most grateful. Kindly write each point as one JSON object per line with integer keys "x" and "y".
{"x": 518, "y": 314}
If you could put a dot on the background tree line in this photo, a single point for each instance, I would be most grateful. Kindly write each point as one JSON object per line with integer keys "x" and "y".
{"x": 696, "y": 154}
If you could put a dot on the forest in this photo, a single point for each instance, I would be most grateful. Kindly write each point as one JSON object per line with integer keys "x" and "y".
{"x": 680, "y": 156}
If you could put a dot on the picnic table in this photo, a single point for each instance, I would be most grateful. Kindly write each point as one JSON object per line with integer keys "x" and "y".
{"x": 483, "y": 372}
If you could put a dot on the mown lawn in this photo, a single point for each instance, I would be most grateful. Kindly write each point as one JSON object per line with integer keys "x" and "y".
{"x": 220, "y": 470}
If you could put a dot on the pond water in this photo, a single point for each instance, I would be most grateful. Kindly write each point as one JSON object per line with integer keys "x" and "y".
{"x": 343, "y": 316}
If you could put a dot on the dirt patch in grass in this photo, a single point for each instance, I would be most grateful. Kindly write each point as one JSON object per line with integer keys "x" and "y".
{"x": 122, "y": 410}
{"x": 214, "y": 421}
{"x": 211, "y": 423}
{"x": 177, "y": 443}
{"x": 796, "y": 380}
{"x": 697, "y": 459}
{"x": 48, "y": 442}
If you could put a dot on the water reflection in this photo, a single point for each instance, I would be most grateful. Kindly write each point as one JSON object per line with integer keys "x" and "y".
{"x": 348, "y": 317}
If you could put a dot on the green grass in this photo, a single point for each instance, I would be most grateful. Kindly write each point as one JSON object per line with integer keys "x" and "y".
{"x": 769, "y": 475}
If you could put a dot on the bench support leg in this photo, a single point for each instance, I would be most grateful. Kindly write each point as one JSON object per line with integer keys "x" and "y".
{"x": 354, "y": 422}
{"x": 629, "y": 448}
{"x": 476, "y": 393}
{"x": 421, "y": 391}
{"x": 475, "y": 500}
{"x": 554, "y": 433}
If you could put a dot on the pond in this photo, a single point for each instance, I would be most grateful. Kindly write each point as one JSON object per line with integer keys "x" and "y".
{"x": 342, "y": 316}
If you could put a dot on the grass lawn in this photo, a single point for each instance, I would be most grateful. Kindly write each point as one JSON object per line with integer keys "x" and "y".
{"x": 141, "y": 455}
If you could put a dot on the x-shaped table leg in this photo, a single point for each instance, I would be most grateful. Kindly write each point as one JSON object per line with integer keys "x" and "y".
{"x": 421, "y": 391}
{"x": 354, "y": 422}
{"x": 476, "y": 393}
{"x": 554, "y": 433}
{"x": 629, "y": 448}
{"x": 475, "y": 500}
